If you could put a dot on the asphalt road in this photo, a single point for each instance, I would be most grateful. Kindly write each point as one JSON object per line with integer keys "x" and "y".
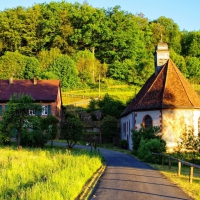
{"x": 126, "y": 178}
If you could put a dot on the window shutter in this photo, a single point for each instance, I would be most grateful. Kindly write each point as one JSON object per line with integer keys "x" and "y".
{"x": 0, "y": 110}
{"x": 6, "y": 107}
{"x": 38, "y": 113}
{"x": 49, "y": 109}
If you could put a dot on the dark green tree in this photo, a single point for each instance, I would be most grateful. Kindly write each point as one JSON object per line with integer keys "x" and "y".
{"x": 17, "y": 115}
{"x": 110, "y": 106}
{"x": 109, "y": 127}
{"x": 50, "y": 127}
{"x": 72, "y": 130}
{"x": 64, "y": 68}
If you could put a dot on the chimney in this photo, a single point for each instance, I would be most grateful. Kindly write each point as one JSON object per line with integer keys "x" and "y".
{"x": 11, "y": 80}
{"x": 35, "y": 80}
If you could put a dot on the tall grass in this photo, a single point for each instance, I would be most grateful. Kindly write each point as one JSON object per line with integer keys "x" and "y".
{"x": 45, "y": 174}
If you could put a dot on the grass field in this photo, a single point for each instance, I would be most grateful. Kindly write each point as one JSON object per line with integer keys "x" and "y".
{"x": 45, "y": 174}
{"x": 118, "y": 92}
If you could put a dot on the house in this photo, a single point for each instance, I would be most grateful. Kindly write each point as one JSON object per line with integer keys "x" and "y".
{"x": 166, "y": 100}
{"x": 46, "y": 92}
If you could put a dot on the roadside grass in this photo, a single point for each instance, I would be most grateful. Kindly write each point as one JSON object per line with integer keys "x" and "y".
{"x": 36, "y": 174}
{"x": 182, "y": 181}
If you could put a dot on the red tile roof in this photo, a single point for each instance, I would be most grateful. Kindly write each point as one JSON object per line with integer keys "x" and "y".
{"x": 168, "y": 89}
{"x": 44, "y": 90}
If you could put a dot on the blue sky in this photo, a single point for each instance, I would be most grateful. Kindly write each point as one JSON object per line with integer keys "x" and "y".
{"x": 186, "y": 13}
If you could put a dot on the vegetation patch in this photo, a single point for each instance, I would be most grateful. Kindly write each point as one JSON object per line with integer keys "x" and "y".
{"x": 45, "y": 174}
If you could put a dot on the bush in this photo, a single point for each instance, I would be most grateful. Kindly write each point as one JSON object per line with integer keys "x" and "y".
{"x": 35, "y": 138}
{"x": 146, "y": 148}
{"x": 123, "y": 144}
{"x": 146, "y": 134}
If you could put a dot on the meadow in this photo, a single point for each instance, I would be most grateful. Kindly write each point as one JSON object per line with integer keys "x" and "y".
{"x": 51, "y": 174}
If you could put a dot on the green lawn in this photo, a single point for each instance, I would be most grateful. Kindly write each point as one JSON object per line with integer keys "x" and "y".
{"x": 36, "y": 174}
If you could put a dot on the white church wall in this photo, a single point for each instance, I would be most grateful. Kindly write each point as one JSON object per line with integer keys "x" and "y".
{"x": 174, "y": 122}
{"x": 127, "y": 124}
{"x": 195, "y": 120}
{"x": 154, "y": 114}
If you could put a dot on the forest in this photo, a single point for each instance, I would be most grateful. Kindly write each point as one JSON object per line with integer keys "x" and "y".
{"x": 82, "y": 45}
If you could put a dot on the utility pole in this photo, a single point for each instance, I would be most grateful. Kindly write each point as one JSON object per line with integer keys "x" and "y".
{"x": 99, "y": 87}
{"x": 93, "y": 64}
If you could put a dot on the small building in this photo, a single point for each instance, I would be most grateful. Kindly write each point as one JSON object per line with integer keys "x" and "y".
{"x": 167, "y": 100}
{"x": 46, "y": 92}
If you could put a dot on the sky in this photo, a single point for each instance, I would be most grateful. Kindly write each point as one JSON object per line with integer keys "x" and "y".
{"x": 185, "y": 13}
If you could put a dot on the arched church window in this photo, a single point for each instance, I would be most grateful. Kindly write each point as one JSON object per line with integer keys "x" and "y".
{"x": 199, "y": 125}
{"x": 147, "y": 122}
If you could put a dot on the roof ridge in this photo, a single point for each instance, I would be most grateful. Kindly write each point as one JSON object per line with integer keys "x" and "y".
{"x": 151, "y": 85}
{"x": 166, "y": 64}
{"x": 175, "y": 68}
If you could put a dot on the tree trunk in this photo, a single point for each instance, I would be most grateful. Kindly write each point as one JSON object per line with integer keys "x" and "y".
{"x": 18, "y": 138}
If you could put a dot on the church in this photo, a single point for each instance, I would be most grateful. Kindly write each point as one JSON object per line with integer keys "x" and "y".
{"x": 167, "y": 100}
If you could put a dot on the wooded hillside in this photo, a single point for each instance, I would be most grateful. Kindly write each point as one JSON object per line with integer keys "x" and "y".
{"x": 78, "y": 43}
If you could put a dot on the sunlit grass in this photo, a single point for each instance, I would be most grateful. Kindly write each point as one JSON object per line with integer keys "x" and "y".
{"x": 45, "y": 174}
{"x": 192, "y": 189}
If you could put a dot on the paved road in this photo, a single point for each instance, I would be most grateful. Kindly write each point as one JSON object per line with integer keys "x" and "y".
{"x": 126, "y": 178}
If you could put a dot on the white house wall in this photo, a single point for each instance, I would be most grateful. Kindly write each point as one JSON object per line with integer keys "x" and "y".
{"x": 127, "y": 124}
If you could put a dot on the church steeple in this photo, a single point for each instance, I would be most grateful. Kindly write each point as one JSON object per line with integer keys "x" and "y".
{"x": 161, "y": 55}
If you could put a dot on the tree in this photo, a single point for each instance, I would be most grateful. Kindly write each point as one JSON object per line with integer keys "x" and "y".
{"x": 17, "y": 114}
{"x": 32, "y": 68}
{"x": 64, "y": 68}
{"x": 111, "y": 107}
{"x": 72, "y": 130}
{"x": 50, "y": 126}
{"x": 12, "y": 63}
{"x": 109, "y": 127}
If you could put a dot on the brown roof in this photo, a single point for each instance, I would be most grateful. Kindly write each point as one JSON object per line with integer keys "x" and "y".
{"x": 168, "y": 89}
{"x": 44, "y": 90}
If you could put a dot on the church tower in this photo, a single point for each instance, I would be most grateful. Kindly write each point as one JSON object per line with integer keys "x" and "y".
{"x": 161, "y": 56}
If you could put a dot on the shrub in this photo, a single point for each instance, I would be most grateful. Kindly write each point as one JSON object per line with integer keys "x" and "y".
{"x": 123, "y": 144}
{"x": 146, "y": 134}
{"x": 146, "y": 148}
{"x": 35, "y": 138}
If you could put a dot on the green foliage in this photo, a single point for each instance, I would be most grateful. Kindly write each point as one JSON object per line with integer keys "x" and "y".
{"x": 34, "y": 138}
{"x": 92, "y": 105}
{"x": 42, "y": 41}
{"x": 71, "y": 130}
{"x": 189, "y": 143}
{"x": 50, "y": 127}
{"x": 109, "y": 127}
{"x": 111, "y": 107}
{"x": 123, "y": 144}
{"x": 146, "y": 148}
{"x": 64, "y": 68}
{"x": 32, "y": 68}
{"x": 145, "y": 134}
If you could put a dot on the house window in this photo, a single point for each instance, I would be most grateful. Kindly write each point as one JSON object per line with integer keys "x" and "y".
{"x": 32, "y": 112}
{"x": 44, "y": 110}
{"x": 147, "y": 122}
{"x": 199, "y": 125}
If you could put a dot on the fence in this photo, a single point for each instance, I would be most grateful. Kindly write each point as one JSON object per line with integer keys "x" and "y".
{"x": 180, "y": 163}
